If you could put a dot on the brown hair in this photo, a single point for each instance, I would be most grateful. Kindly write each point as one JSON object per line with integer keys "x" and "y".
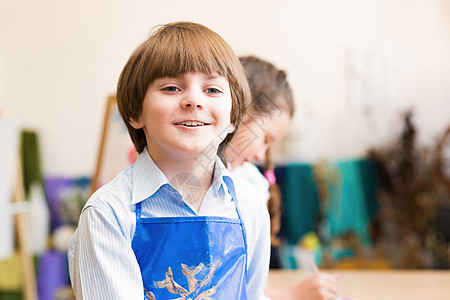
{"x": 274, "y": 204}
{"x": 271, "y": 93}
{"x": 269, "y": 86}
{"x": 172, "y": 50}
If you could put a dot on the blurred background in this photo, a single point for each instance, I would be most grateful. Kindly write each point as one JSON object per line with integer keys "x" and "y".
{"x": 364, "y": 168}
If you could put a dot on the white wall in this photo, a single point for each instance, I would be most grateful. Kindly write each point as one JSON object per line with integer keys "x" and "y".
{"x": 354, "y": 65}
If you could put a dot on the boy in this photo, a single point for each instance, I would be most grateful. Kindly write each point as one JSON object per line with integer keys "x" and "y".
{"x": 175, "y": 225}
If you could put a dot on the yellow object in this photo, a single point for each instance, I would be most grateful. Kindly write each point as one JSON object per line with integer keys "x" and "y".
{"x": 310, "y": 241}
{"x": 11, "y": 276}
{"x": 361, "y": 263}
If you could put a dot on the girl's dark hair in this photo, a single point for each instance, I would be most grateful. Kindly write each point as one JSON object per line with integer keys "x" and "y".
{"x": 271, "y": 93}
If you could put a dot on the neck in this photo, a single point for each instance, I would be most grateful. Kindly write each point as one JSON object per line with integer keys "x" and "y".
{"x": 190, "y": 175}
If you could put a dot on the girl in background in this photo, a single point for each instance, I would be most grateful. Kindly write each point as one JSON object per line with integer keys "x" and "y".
{"x": 266, "y": 121}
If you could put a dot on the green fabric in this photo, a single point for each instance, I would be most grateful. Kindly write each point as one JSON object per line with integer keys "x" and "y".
{"x": 30, "y": 156}
{"x": 11, "y": 295}
{"x": 300, "y": 201}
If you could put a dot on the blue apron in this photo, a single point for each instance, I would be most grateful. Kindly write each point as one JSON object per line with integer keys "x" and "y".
{"x": 191, "y": 257}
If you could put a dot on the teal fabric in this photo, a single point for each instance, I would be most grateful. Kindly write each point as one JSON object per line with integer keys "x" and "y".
{"x": 350, "y": 206}
{"x": 351, "y": 199}
{"x": 300, "y": 201}
{"x": 287, "y": 257}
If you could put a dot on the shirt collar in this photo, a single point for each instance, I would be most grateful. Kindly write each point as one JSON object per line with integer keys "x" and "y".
{"x": 221, "y": 177}
{"x": 148, "y": 178}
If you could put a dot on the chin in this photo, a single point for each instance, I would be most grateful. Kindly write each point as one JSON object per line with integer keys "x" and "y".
{"x": 236, "y": 164}
{"x": 199, "y": 150}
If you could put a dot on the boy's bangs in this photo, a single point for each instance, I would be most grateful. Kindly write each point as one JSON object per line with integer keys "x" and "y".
{"x": 184, "y": 54}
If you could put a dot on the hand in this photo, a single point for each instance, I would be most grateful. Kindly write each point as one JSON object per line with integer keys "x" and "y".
{"x": 320, "y": 286}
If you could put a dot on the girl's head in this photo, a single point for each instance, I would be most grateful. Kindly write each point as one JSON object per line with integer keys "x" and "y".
{"x": 266, "y": 121}
{"x": 269, "y": 86}
{"x": 173, "y": 50}
{"x": 269, "y": 113}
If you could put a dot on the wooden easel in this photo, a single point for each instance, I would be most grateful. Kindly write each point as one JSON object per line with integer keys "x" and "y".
{"x": 21, "y": 222}
{"x": 115, "y": 146}
{"x": 107, "y": 119}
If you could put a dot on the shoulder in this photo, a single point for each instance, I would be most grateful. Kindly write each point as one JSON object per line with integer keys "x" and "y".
{"x": 114, "y": 192}
{"x": 113, "y": 200}
{"x": 248, "y": 171}
{"x": 251, "y": 174}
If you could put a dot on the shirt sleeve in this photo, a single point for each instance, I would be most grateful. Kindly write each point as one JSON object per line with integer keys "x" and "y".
{"x": 258, "y": 267}
{"x": 257, "y": 226}
{"x": 102, "y": 263}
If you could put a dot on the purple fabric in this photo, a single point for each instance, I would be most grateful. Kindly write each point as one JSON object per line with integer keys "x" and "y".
{"x": 63, "y": 196}
{"x": 52, "y": 274}
{"x": 54, "y": 187}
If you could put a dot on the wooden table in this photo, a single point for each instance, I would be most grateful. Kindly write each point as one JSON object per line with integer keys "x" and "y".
{"x": 379, "y": 285}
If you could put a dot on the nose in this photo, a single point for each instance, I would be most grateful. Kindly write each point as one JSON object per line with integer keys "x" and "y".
{"x": 191, "y": 100}
{"x": 259, "y": 156}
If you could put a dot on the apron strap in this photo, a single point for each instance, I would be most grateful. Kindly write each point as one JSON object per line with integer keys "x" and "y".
{"x": 232, "y": 192}
{"x": 138, "y": 211}
{"x": 138, "y": 223}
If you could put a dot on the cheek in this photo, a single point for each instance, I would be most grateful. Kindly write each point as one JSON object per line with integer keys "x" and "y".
{"x": 255, "y": 143}
{"x": 258, "y": 144}
{"x": 222, "y": 112}
{"x": 227, "y": 108}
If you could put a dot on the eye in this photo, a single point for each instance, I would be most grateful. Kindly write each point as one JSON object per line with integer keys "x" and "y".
{"x": 171, "y": 89}
{"x": 269, "y": 139}
{"x": 212, "y": 91}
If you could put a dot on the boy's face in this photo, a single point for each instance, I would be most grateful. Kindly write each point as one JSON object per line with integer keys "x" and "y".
{"x": 183, "y": 115}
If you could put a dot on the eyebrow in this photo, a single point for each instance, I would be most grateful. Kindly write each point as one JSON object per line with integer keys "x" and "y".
{"x": 208, "y": 76}
{"x": 213, "y": 76}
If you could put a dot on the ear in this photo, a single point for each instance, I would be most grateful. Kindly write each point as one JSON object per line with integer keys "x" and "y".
{"x": 246, "y": 119}
{"x": 137, "y": 124}
{"x": 231, "y": 128}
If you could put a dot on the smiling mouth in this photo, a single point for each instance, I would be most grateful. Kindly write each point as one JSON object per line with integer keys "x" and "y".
{"x": 192, "y": 124}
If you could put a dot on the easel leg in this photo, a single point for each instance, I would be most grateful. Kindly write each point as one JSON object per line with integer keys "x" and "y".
{"x": 26, "y": 258}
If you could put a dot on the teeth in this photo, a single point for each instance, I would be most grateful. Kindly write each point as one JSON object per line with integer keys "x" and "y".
{"x": 191, "y": 123}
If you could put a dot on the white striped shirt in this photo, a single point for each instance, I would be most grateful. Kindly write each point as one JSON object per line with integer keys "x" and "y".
{"x": 102, "y": 263}
{"x": 250, "y": 173}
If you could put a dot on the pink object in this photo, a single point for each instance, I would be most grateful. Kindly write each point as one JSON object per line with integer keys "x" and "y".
{"x": 270, "y": 176}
